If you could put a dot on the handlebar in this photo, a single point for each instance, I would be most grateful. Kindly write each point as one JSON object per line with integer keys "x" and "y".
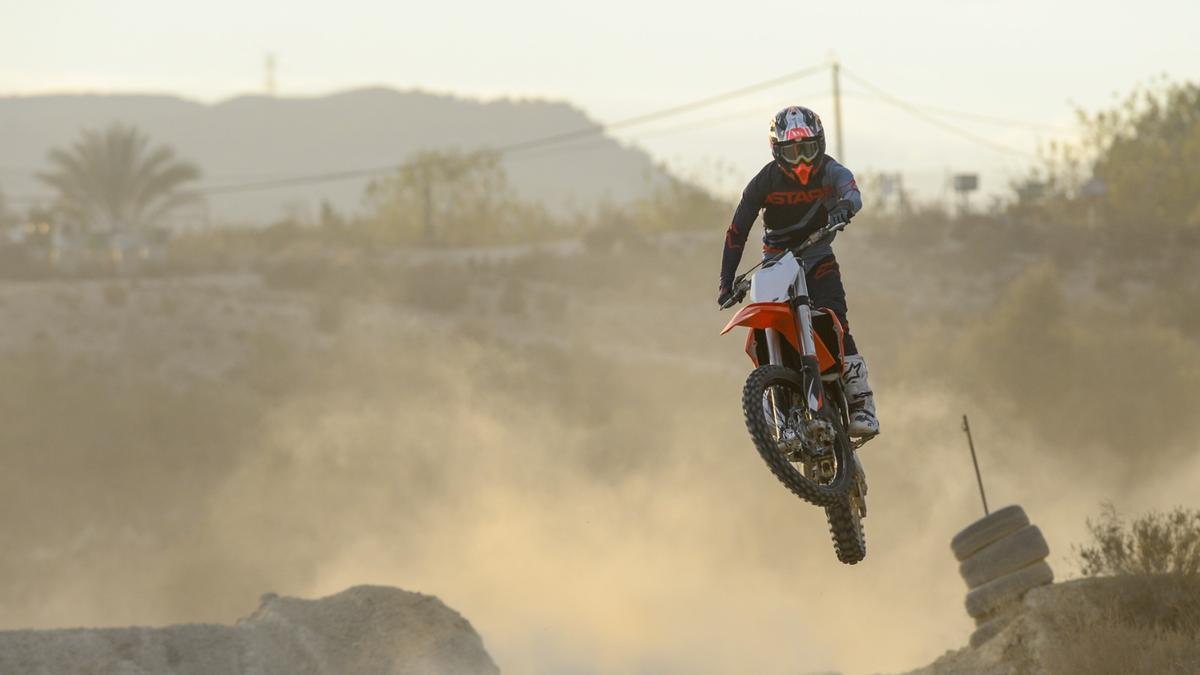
{"x": 740, "y": 288}
{"x": 741, "y": 283}
{"x": 803, "y": 246}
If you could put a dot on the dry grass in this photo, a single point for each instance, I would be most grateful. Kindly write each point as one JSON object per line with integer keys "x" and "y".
{"x": 1119, "y": 644}
{"x": 1149, "y": 618}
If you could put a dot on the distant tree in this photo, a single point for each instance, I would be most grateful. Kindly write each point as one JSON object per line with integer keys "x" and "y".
{"x": 113, "y": 179}
{"x": 677, "y": 204}
{"x": 330, "y": 218}
{"x": 1137, "y": 167}
{"x": 451, "y": 198}
{"x": 1126, "y": 193}
{"x": 1149, "y": 157}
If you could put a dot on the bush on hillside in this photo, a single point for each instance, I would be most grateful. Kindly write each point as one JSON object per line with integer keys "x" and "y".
{"x": 1154, "y": 543}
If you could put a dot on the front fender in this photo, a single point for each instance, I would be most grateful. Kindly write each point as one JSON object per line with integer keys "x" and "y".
{"x": 777, "y": 315}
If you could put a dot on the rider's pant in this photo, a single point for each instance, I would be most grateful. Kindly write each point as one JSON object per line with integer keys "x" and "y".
{"x": 825, "y": 289}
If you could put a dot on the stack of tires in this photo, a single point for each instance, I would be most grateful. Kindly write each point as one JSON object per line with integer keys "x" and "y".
{"x": 1000, "y": 557}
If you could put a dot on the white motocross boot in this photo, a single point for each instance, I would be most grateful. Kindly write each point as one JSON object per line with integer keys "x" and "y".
{"x": 859, "y": 397}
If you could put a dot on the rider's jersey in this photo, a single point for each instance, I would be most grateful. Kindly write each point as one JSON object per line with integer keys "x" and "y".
{"x": 784, "y": 202}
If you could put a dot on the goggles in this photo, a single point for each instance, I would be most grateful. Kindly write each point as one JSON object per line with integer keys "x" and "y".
{"x": 795, "y": 152}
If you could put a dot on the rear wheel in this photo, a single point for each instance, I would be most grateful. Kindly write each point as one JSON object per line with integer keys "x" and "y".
{"x": 812, "y": 457}
{"x": 845, "y": 517}
{"x": 845, "y": 524}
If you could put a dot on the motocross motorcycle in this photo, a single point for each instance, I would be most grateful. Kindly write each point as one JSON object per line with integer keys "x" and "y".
{"x": 795, "y": 407}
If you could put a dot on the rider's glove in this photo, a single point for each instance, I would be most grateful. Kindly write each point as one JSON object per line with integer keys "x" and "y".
{"x": 840, "y": 214}
{"x": 724, "y": 293}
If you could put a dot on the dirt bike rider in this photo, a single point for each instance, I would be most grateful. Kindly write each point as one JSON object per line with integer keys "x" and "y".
{"x": 798, "y": 193}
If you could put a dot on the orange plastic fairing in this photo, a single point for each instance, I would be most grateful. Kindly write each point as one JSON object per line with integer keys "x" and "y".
{"x": 777, "y": 315}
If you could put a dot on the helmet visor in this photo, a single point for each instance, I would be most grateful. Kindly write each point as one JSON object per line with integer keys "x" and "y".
{"x": 795, "y": 152}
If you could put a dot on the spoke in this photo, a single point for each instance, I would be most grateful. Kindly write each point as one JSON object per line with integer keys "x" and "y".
{"x": 779, "y": 402}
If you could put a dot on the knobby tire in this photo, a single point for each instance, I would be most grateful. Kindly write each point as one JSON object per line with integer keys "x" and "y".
{"x": 821, "y": 494}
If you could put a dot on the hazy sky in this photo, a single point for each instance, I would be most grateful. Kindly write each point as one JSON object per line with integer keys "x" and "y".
{"x": 1022, "y": 60}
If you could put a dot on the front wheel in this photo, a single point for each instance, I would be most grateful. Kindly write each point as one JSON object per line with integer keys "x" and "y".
{"x": 811, "y": 456}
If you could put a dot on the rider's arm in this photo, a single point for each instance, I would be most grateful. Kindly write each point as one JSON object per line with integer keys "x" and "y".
{"x": 846, "y": 188}
{"x": 739, "y": 230}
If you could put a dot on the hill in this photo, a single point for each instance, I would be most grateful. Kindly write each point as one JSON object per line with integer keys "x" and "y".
{"x": 252, "y": 138}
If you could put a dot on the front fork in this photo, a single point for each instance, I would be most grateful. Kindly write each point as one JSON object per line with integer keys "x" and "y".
{"x": 808, "y": 356}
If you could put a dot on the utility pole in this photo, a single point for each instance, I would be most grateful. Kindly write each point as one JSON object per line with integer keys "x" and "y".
{"x": 837, "y": 110}
{"x": 269, "y": 75}
{"x": 427, "y": 201}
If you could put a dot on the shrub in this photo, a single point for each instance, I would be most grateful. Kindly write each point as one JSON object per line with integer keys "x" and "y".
{"x": 1155, "y": 543}
{"x": 116, "y": 295}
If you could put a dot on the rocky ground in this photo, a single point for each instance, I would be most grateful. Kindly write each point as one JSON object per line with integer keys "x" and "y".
{"x": 365, "y": 629}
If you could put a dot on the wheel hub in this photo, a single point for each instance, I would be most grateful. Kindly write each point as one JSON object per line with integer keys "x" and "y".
{"x": 810, "y": 442}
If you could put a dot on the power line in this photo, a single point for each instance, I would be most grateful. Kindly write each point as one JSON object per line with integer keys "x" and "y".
{"x": 704, "y": 122}
{"x": 710, "y": 121}
{"x": 999, "y": 121}
{"x": 555, "y": 139}
{"x": 917, "y": 112}
{"x": 27, "y": 199}
{"x": 297, "y": 180}
{"x": 563, "y": 146}
{"x": 553, "y": 143}
{"x": 667, "y": 112}
{"x": 976, "y": 117}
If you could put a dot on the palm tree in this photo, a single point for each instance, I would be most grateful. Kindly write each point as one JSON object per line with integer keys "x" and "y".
{"x": 113, "y": 180}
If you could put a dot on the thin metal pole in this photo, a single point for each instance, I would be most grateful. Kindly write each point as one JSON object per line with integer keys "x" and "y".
{"x": 837, "y": 110}
{"x": 269, "y": 76}
{"x": 970, "y": 441}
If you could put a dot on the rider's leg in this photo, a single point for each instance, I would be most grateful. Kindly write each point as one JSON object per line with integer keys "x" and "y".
{"x": 826, "y": 290}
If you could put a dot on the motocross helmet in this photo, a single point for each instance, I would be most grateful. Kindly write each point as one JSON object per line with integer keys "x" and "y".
{"x": 797, "y": 141}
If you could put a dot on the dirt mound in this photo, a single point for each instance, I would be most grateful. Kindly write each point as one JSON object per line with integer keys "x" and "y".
{"x": 1096, "y": 625}
{"x": 365, "y": 629}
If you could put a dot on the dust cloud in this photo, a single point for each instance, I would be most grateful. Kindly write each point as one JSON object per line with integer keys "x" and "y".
{"x": 556, "y": 451}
